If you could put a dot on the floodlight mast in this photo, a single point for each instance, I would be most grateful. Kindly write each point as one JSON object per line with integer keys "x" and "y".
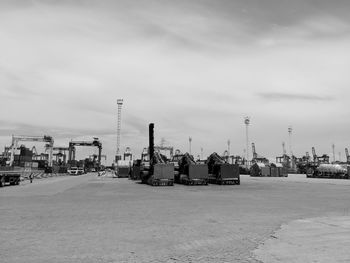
{"x": 119, "y": 103}
{"x": 247, "y": 122}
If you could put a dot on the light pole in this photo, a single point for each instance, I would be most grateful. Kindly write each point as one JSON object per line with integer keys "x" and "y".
{"x": 190, "y": 141}
{"x": 290, "y": 129}
{"x": 119, "y": 117}
{"x": 247, "y": 122}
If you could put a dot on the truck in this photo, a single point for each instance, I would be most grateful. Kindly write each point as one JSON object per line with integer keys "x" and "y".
{"x": 9, "y": 175}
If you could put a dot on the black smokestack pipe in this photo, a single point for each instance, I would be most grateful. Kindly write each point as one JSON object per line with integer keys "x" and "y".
{"x": 151, "y": 142}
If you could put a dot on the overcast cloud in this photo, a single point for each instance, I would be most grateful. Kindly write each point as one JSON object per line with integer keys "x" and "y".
{"x": 194, "y": 68}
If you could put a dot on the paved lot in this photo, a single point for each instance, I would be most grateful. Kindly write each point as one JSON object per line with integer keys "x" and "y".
{"x": 101, "y": 219}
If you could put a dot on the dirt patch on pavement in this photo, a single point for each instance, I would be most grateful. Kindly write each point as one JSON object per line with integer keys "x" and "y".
{"x": 321, "y": 239}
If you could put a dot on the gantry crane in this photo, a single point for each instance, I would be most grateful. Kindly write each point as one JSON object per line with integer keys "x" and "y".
{"x": 95, "y": 143}
{"x": 61, "y": 151}
{"x": 47, "y": 139}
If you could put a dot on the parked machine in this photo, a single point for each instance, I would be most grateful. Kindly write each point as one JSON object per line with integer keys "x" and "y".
{"x": 221, "y": 172}
{"x": 160, "y": 172}
{"x": 190, "y": 172}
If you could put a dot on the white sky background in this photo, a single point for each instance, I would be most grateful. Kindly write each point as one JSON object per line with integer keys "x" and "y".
{"x": 194, "y": 68}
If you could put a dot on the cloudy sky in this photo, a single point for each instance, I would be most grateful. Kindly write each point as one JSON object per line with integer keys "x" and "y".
{"x": 193, "y": 67}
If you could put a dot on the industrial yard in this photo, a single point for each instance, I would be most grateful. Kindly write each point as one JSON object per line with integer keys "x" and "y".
{"x": 174, "y": 131}
{"x": 92, "y": 218}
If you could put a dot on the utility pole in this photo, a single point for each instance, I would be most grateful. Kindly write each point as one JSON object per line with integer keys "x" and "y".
{"x": 119, "y": 103}
{"x": 190, "y": 146}
{"x": 333, "y": 148}
{"x": 201, "y": 153}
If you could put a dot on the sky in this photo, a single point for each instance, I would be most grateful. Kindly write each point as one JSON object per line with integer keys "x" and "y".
{"x": 194, "y": 68}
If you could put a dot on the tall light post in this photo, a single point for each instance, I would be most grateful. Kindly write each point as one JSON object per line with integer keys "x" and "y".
{"x": 190, "y": 141}
{"x": 119, "y": 104}
{"x": 333, "y": 148}
{"x": 290, "y": 129}
{"x": 247, "y": 122}
{"x": 201, "y": 153}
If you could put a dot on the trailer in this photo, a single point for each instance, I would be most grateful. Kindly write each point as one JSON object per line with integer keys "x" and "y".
{"x": 221, "y": 172}
{"x": 331, "y": 171}
{"x": 9, "y": 175}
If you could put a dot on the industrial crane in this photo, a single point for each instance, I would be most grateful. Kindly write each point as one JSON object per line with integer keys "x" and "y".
{"x": 324, "y": 159}
{"x": 61, "y": 152}
{"x": 257, "y": 158}
{"x": 284, "y": 159}
{"x": 128, "y": 154}
{"x": 95, "y": 143}
{"x": 47, "y": 139}
{"x": 255, "y": 155}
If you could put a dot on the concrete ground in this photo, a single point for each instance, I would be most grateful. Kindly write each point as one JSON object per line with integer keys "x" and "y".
{"x": 101, "y": 219}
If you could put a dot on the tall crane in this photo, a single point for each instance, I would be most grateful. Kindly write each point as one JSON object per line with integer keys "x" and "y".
{"x": 347, "y": 155}
{"x": 62, "y": 152}
{"x": 314, "y": 155}
{"x": 47, "y": 139}
{"x": 95, "y": 143}
{"x": 255, "y": 155}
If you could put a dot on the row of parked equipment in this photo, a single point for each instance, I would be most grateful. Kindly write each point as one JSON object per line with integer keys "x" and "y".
{"x": 156, "y": 169}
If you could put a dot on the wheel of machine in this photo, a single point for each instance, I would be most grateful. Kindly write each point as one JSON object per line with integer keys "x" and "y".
{"x": 2, "y": 181}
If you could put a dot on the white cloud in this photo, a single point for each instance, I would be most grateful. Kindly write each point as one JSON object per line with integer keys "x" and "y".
{"x": 191, "y": 75}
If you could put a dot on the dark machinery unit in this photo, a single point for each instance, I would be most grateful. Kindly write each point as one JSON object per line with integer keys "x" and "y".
{"x": 191, "y": 173}
{"x": 221, "y": 172}
{"x": 160, "y": 171}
